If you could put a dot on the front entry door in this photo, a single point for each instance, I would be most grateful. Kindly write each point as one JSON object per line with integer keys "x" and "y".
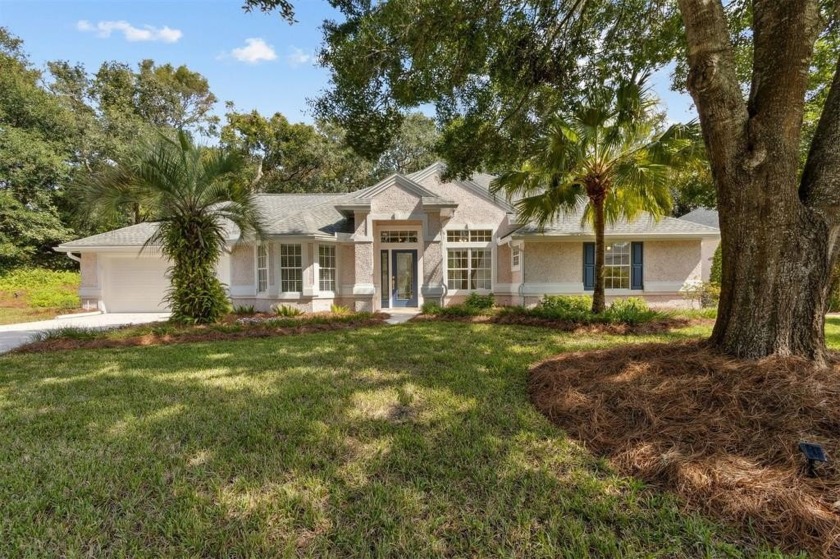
{"x": 404, "y": 278}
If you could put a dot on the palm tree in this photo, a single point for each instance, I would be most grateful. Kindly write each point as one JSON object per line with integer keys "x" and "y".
{"x": 607, "y": 154}
{"x": 195, "y": 196}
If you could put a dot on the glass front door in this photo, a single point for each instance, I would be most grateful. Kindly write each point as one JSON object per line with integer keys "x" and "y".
{"x": 403, "y": 278}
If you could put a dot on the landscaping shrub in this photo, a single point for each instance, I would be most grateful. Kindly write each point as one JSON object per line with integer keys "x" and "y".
{"x": 565, "y": 307}
{"x": 287, "y": 311}
{"x": 340, "y": 310}
{"x": 68, "y": 333}
{"x": 459, "y": 311}
{"x": 633, "y": 310}
{"x": 244, "y": 310}
{"x": 474, "y": 305}
{"x": 431, "y": 307}
{"x": 578, "y": 309}
{"x": 480, "y": 302}
{"x": 715, "y": 271}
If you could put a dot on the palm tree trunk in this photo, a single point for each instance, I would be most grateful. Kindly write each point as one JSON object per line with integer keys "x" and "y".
{"x": 599, "y": 303}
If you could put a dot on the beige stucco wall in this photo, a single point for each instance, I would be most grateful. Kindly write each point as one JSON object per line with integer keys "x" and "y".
{"x": 364, "y": 263}
{"x": 89, "y": 269}
{"x": 674, "y": 262}
{"x": 503, "y": 267}
{"x": 360, "y": 223}
{"x": 396, "y": 200}
{"x": 346, "y": 256}
{"x": 434, "y": 224}
{"x": 433, "y": 264}
{"x": 547, "y": 262}
{"x": 665, "y": 261}
{"x": 472, "y": 208}
{"x": 242, "y": 265}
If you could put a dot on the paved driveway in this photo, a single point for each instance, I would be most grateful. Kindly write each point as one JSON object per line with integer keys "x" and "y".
{"x": 16, "y": 335}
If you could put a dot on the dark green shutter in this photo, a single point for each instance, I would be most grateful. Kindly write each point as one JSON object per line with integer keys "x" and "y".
{"x": 589, "y": 266}
{"x": 637, "y": 267}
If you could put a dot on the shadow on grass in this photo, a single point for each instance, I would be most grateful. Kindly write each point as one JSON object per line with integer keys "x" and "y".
{"x": 408, "y": 441}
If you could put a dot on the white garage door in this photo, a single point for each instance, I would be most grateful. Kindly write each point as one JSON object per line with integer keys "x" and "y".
{"x": 135, "y": 284}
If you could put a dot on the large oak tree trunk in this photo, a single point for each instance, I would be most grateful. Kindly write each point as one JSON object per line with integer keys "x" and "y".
{"x": 777, "y": 231}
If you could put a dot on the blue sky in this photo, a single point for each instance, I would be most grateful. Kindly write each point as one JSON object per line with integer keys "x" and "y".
{"x": 255, "y": 60}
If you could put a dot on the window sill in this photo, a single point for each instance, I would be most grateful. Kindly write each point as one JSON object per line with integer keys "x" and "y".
{"x": 451, "y": 292}
{"x": 623, "y": 291}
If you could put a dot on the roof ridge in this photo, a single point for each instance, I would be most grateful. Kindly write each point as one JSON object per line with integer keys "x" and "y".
{"x": 279, "y": 194}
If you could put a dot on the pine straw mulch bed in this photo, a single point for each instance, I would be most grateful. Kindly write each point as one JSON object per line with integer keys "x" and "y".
{"x": 192, "y": 334}
{"x": 656, "y": 326}
{"x": 721, "y": 433}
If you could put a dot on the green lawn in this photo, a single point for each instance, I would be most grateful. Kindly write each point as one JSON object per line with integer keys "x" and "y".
{"x": 405, "y": 441}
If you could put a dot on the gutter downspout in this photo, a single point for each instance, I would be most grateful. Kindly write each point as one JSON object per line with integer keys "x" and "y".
{"x": 73, "y": 257}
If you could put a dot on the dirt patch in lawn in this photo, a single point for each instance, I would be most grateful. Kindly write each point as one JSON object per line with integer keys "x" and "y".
{"x": 656, "y": 326}
{"x": 722, "y": 433}
{"x": 194, "y": 334}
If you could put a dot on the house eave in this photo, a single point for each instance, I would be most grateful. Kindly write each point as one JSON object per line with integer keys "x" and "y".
{"x": 560, "y": 237}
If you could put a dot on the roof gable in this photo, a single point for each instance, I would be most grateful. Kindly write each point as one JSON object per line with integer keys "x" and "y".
{"x": 395, "y": 180}
{"x": 478, "y": 184}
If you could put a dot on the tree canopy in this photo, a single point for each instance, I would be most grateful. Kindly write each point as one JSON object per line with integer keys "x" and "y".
{"x": 35, "y": 142}
{"x": 298, "y": 157}
{"x": 61, "y": 126}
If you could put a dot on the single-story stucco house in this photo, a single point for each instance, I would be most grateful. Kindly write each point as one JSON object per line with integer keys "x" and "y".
{"x": 404, "y": 241}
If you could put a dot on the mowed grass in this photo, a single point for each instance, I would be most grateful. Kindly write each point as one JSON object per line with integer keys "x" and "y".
{"x": 406, "y": 441}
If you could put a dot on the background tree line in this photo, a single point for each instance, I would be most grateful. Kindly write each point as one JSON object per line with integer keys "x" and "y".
{"x": 62, "y": 125}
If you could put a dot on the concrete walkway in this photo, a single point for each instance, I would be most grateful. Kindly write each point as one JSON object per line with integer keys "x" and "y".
{"x": 16, "y": 335}
{"x": 400, "y": 316}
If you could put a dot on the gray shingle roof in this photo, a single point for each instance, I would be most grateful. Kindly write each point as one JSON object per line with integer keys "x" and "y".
{"x": 317, "y": 215}
{"x": 303, "y": 214}
{"x": 703, "y": 216}
{"x": 283, "y": 214}
{"x": 645, "y": 226}
{"x": 133, "y": 235}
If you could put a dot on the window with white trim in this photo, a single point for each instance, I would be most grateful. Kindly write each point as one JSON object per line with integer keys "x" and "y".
{"x": 398, "y": 236}
{"x": 469, "y": 236}
{"x": 515, "y": 257}
{"x": 262, "y": 269}
{"x": 617, "y": 266}
{"x": 469, "y": 268}
{"x": 326, "y": 267}
{"x": 291, "y": 269}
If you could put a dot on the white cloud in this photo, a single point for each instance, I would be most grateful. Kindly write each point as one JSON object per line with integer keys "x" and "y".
{"x": 299, "y": 57}
{"x": 104, "y": 29}
{"x": 255, "y": 50}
